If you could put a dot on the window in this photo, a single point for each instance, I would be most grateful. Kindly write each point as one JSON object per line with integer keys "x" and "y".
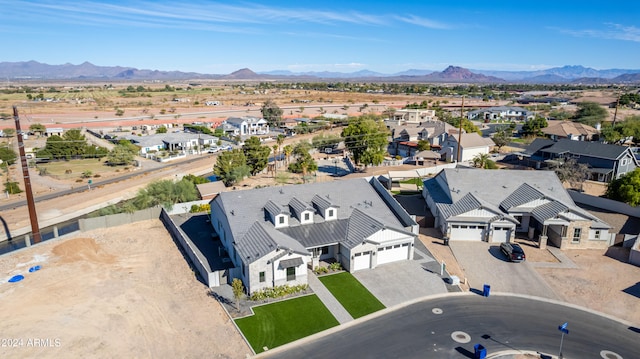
{"x": 330, "y": 214}
{"x": 291, "y": 273}
{"x": 596, "y": 234}
{"x": 576, "y": 235}
{"x": 262, "y": 277}
{"x": 624, "y": 161}
{"x": 306, "y": 216}
{"x": 281, "y": 220}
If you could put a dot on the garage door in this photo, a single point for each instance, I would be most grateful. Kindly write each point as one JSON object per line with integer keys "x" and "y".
{"x": 460, "y": 232}
{"x": 396, "y": 252}
{"x": 501, "y": 234}
{"x": 362, "y": 260}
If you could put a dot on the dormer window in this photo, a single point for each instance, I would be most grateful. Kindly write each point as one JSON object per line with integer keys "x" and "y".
{"x": 306, "y": 216}
{"x": 280, "y": 219}
{"x": 330, "y": 213}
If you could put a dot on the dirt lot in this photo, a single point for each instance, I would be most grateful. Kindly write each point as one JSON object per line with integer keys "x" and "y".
{"x": 111, "y": 293}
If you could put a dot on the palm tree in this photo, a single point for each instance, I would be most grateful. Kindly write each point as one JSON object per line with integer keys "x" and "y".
{"x": 279, "y": 141}
{"x": 288, "y": 150}
{"x": 481, "y": 160}
{"x": 275, "y": 160}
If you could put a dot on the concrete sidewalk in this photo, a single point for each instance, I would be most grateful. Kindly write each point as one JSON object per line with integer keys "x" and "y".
{"x": 328, "y": 299}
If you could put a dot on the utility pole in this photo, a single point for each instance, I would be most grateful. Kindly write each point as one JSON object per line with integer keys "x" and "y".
{"x": 615, "y": 113}
{"x": 31, "y": 204}
{"x": 458, "y": 157}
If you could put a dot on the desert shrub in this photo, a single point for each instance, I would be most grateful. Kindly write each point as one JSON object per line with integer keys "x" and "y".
{"x": 277, "y": 292}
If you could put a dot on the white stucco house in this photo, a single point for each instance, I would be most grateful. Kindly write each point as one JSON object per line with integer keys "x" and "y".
{"x": 248, "y": 126}
{"x": 471, "y": 144}
{"x": 471, "y": 204}
{"x": 273, "y": 234}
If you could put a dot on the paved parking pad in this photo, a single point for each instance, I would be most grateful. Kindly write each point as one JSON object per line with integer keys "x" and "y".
{"x": 396, "y": 283}
{"x": 483, "y": 263}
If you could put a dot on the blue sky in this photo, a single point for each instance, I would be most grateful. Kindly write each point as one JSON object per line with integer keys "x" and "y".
{"x": 345, "y": 36}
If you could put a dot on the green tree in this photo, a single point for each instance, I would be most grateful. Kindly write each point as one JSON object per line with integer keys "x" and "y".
{"x": 256, "y": 154}
{"x": 534, "y": 126}
{"x": 626, "y": 188}
{"x": 467, "y": 125}
{"x": 483, "y": 160}
{"x": 74, "y": 143}
{"x": 304, "y": 161}
{"x": 165, "y": 193}
{"x": 12, "y": 187}
{"x": 590, "y": 113}
{"x": 121, "y": 155}
{"x": 8, "y": 156}
{"x": 287, "y": 150}
{"x": 238, "y": 291}
{"x": 423, "y": 145}
{"x": 161, "y": 129}
{"x": 366, "y": 139}
{"x": 231, "y": 167}
{"x": 271, "y": 112}
{"x": 629, "y": 128}
{"x": 502, "y": 137}
{"x": 38, "y": 128}
{"x": 195, "y": 179}
{"x": 322, "y": 141}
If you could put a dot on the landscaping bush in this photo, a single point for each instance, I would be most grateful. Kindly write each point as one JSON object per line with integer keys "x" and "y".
{"x": 277, "y": 292}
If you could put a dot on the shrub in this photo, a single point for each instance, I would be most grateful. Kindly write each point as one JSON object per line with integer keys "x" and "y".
{"x": 277, "y": 292}
{"x": 335, "y": 266}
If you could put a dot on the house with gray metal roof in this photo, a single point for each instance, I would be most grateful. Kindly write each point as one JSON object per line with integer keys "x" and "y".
{"x": 248, "y": 126}
{"x": 606, "y": 161}
{"x": 472, "y": 204}
{"x": 273, "y": 235}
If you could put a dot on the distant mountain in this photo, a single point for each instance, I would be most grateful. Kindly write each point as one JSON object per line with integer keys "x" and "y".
{"x": 453, "y": 74}
{"x": 459, "y": 74}
{"x": 559, "y": 74}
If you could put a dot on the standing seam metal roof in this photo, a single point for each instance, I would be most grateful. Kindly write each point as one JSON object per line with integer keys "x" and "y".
{"x": 523, "y": 194}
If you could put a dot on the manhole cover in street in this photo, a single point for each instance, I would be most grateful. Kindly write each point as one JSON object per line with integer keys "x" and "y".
{"x": 436, "y": 311}
{"x": 461, "y": 337}
{"x": 606, "y": 354}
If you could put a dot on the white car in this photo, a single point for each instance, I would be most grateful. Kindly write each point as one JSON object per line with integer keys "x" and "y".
{"x": 213, "y": 149}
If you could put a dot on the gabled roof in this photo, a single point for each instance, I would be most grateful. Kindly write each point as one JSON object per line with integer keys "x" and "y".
{"x": 275, "y": 209}
{"x": 583, "y": 148}
{"x": 322, "y": 203}
{"x": 566, "y": 128}
{"x": 548, "y": 210}
{"x": 470, "y": 140}
{"x": 261, "y": 239}
{"x": 523, "y": 194}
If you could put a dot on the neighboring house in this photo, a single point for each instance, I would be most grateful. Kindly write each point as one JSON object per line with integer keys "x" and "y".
{"x": 405, "y": 136}
{"x": 409, "y": 115}
{"x": 510, "y": 113}
{"x": 570, "y": 130}
{"x": 288, "y": 123}
{"x": 471, "y": 145}
{"x": 179, "y": 141}
{"x": 54, "y": 131}
{"x": 249, "y": 126}
{"x": 491, "y": 205}
{"x": 606, "y": 162}
{"x": 273, "y": 234}
{"x": 210, "y": 190}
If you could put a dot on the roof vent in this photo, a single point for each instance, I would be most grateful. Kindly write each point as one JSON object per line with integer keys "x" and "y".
{"x": 281, "y": 191}
{"x": 233, "y": 213}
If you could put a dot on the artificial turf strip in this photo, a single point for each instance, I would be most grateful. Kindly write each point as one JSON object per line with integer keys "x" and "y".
{"x": 283, "y": 322}
{"x": 353, "y": 296}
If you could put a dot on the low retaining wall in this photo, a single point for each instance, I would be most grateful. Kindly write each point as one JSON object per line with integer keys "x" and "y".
{"x": 604, "y": 203}
{"x": 113, "y": 220}
{"x": 210, "y": 278}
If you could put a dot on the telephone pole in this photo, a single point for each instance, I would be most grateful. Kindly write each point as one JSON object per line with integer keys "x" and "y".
{"x": 31, "y": 204}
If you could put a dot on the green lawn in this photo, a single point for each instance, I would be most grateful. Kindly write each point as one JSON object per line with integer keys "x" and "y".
{"x": 283, "y": 322}
{"x": 353, "y": 296}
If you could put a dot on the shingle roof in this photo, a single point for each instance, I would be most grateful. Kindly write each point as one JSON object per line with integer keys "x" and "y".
{"x": 591, "y": 149}
{"x": 470, "y": 140}
{"x": 566, "y": 128}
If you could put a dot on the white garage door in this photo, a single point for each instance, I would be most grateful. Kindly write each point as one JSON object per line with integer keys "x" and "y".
{"x": 396, "y": 252}
{"x": 463, "y": 232}
{"x": 501, "y": 234}
{"x": 362, "y": 260}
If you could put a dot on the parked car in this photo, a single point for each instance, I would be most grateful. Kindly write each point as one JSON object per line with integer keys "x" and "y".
{"x": 213, "y": 149}
{"x": 513, "y": 251}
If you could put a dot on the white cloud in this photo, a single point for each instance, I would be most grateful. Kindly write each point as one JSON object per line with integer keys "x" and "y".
{"x": 611, "y": 31}
{"x": 419, "y": 21}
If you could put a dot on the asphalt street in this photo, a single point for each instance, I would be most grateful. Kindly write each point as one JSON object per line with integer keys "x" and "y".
{"x": 449, "y": 327}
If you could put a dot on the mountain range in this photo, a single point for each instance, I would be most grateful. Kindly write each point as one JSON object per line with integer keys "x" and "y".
{"x": 33, "y": 70}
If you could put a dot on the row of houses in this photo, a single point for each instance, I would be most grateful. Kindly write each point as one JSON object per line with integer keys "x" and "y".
{"x": 273, "y": 235}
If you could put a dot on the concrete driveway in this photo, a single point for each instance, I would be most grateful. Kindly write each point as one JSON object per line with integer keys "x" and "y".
{"x": 483, "y": 263}
{"x": 399, "y": 282}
